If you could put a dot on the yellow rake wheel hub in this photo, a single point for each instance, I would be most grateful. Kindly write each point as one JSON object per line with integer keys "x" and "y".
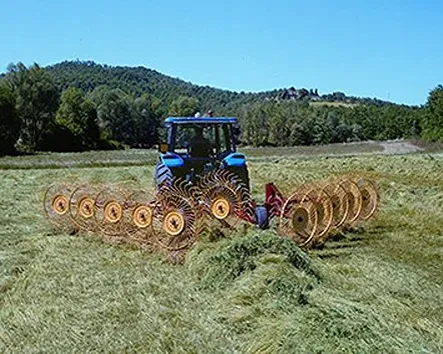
{"x": 300, "y": 218}
{"x": 60, "y": 204}
{"x": 86, "y": 207}
{"x": 113, "y": 212}
{"x": 142, "y": 216}
{"x": 173, "y": 223}
{"x": 221, "y": 208}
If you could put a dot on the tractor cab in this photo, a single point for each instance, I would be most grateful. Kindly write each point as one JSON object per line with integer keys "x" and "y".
{"x": 196, "y": 146}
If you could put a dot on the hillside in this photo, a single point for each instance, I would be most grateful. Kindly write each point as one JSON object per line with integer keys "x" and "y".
{"x": 137, "y": 80}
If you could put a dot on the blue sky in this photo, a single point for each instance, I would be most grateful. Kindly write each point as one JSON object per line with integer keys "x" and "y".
{"x": 386, "y": 49}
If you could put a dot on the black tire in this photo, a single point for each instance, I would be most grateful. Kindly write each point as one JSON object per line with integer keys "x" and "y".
{"x": 242, "y": 174}
{"x": 163, "y": 175}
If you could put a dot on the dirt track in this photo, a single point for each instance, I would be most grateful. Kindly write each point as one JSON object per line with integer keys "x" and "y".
{"x": 398, "y": 147}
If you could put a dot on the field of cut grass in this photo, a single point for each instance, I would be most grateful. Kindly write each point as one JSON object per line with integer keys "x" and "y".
{"x": 135, "y": 157}
{"x": 112, "y": 158}
{"x": 377, "y": 289}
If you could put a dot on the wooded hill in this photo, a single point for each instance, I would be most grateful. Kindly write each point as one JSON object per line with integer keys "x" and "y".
{"x": 139, "y": 80}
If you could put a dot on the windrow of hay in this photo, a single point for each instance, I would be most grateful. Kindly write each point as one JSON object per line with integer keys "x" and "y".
{"x": 231, "y": 258}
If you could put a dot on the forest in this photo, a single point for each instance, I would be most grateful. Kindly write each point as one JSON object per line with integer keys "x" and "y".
{"x": 78, "y": 106}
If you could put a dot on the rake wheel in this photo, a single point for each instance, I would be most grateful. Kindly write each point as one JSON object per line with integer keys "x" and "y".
{"x": 56, "y": 204}
{"x": 369, "y": 196}
{"x": 111, "y": 214}
{"x": 340, "y": 203}
{"x": 324, "y": 210}
{"x": 82, "y": 208}
{"x": 175, "y": 217}
{"x": 299, "y": 218}
{"x": 353, "y": 197}
{"x": 223, "y": 198}
{"x": 141, "y": 206}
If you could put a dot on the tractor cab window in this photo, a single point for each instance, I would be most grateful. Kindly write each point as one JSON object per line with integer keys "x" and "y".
{"x": 201, "y": 140}
{"x": 197, "y": 139}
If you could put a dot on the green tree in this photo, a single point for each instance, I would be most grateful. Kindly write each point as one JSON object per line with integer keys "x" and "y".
{"x": 36, "y": 102}
{"x": 98, "y": 95}
{"x": 255, "y": 125}
{"x": 146, "y": 119}
{"x": 9, "y": 123}
{"x": 115, "y": 116}
{"x": 184, "y": 107}
{"x": 278, "y": 128}
{"x": 433, "y": 121}
{"x": 78, "y": 115}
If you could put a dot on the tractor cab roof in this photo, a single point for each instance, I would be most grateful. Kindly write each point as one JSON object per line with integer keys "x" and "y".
{"x": 201, "y": 120}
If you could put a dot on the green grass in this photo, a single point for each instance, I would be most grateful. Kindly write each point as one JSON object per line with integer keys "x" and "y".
{"x": 376, "y": 289}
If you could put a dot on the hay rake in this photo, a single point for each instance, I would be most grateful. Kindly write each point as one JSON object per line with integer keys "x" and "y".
{"x": 202, "y": 184}
{"x": 172, "y": 219}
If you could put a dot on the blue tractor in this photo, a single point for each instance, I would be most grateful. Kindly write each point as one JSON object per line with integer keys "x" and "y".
{"x": 196, "y": 146}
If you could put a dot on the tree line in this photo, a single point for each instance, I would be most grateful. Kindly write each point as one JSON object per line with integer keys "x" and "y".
{"x": 299, "y": 123}
{"x": 44, "y": 110}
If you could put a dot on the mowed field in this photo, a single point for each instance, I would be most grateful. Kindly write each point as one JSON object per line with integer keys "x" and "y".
{"x": 375, "y": 289}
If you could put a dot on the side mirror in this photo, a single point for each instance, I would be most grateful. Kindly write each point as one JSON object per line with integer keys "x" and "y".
{"x": 163, "y": 148}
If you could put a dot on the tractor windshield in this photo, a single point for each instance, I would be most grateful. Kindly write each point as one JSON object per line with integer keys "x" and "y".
{"x": 201, "y": 140}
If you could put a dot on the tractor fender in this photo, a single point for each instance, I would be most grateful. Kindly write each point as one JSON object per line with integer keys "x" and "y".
{"x": 172, "y": 160}
{"x": 235, "y": 159}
